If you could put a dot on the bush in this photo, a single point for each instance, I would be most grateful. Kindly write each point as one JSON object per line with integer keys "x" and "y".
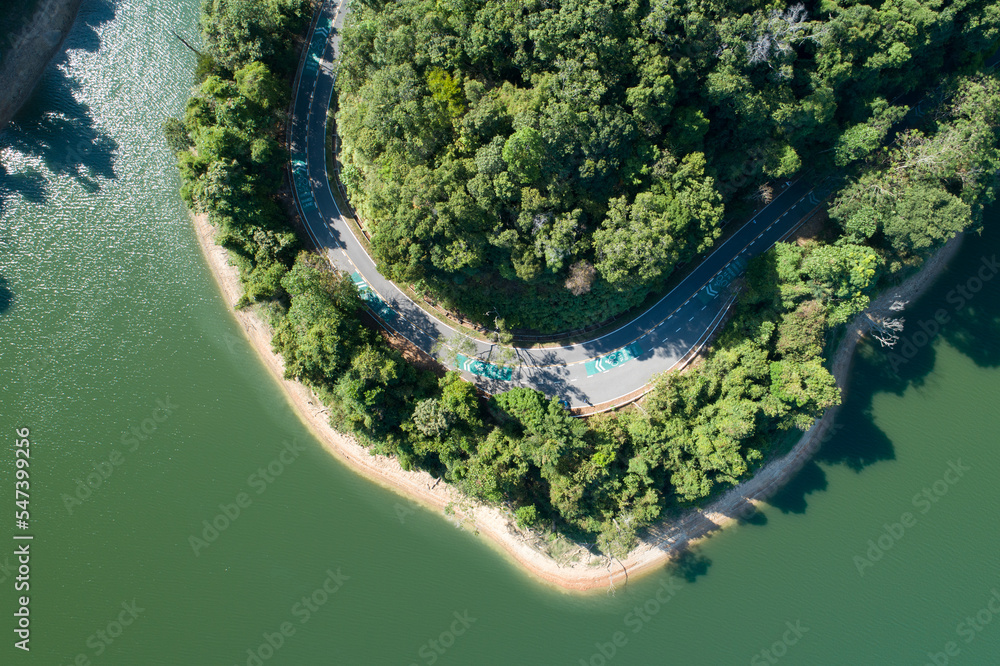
{"x": 526, "y": 516}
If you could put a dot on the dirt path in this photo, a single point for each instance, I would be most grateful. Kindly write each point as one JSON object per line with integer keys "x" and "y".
{"x": 577, "y": 569}
{"x": 32, "y": 47}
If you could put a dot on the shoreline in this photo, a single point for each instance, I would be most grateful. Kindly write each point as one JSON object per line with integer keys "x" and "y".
{"x": 587, "y": 572}
{"x": 34, "y": 47}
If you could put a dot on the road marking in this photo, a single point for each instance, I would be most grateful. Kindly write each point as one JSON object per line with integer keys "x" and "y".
{"x": 374, "y": 302}
{"x": 707, "y": 286}
{"x": 614, "y": 359}
{"x": 481, "y": 368}
{"x": 692, "y": 318}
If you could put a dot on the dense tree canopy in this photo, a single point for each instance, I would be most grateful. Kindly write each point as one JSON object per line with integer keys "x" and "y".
{"x": 935, "y": 180}
{"x": 493, "y": 145}
{"x": 577, "y": 151}
{"x": 228, "y": 146}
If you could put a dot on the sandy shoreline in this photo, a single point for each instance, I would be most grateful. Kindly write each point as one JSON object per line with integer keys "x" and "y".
{"x": 586, "y": 572}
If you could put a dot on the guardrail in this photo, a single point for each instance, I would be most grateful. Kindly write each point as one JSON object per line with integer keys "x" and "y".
{"x": 295, "y": 87}
{"x": 627, "y": 315}
{"x": 304, "y": 60}
{"x": 299, "y": 179}
{"x": 681, "y": 364}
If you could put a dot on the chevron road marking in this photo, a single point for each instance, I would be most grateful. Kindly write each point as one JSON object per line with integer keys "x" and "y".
{"x": 316, "y": 64}
{"x": 371, "y": 299}
{"x": 614, "y": 359}
{"x": 481, "y": 368}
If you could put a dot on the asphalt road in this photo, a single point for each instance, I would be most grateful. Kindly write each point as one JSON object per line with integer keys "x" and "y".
{"x": 588, "y": 373}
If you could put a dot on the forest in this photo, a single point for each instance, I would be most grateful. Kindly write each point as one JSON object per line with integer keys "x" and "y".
{"x": 557, "y": 160}
{"x": 229, "y": 143}
{"x": 532, "y": 143}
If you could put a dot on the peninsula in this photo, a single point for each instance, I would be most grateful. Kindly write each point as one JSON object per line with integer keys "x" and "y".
{"x": 532, "y": 171}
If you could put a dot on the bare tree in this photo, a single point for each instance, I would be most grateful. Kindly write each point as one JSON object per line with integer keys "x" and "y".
{"x": 765, "y": 193}
{"x": 581, "y": 277}
{"x": 501, "y": 352}
{"x": 778, "y": 33}
{"x": 884, "y": 325}
{"x": 448, "y": 349}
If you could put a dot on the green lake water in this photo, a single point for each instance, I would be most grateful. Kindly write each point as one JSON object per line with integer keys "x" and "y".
{"x": 111, "y": 322}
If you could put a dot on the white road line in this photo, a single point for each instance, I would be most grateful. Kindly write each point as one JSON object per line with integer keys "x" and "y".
{"x": 325, "y": 69}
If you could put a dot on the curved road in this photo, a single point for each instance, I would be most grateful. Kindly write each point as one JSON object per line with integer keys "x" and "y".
{"x": 597, "y": 371}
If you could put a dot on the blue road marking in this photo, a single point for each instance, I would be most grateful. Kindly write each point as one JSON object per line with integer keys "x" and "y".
{"x": 484, "y": 369}
{"x": 614, "y": 359}
{"x": 373, "y": 300}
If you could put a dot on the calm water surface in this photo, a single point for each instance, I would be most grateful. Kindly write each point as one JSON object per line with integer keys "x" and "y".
{"x": 121, "y": 357}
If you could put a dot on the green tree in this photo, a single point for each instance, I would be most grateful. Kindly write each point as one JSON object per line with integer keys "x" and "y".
{"x": 523, "y": 152}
